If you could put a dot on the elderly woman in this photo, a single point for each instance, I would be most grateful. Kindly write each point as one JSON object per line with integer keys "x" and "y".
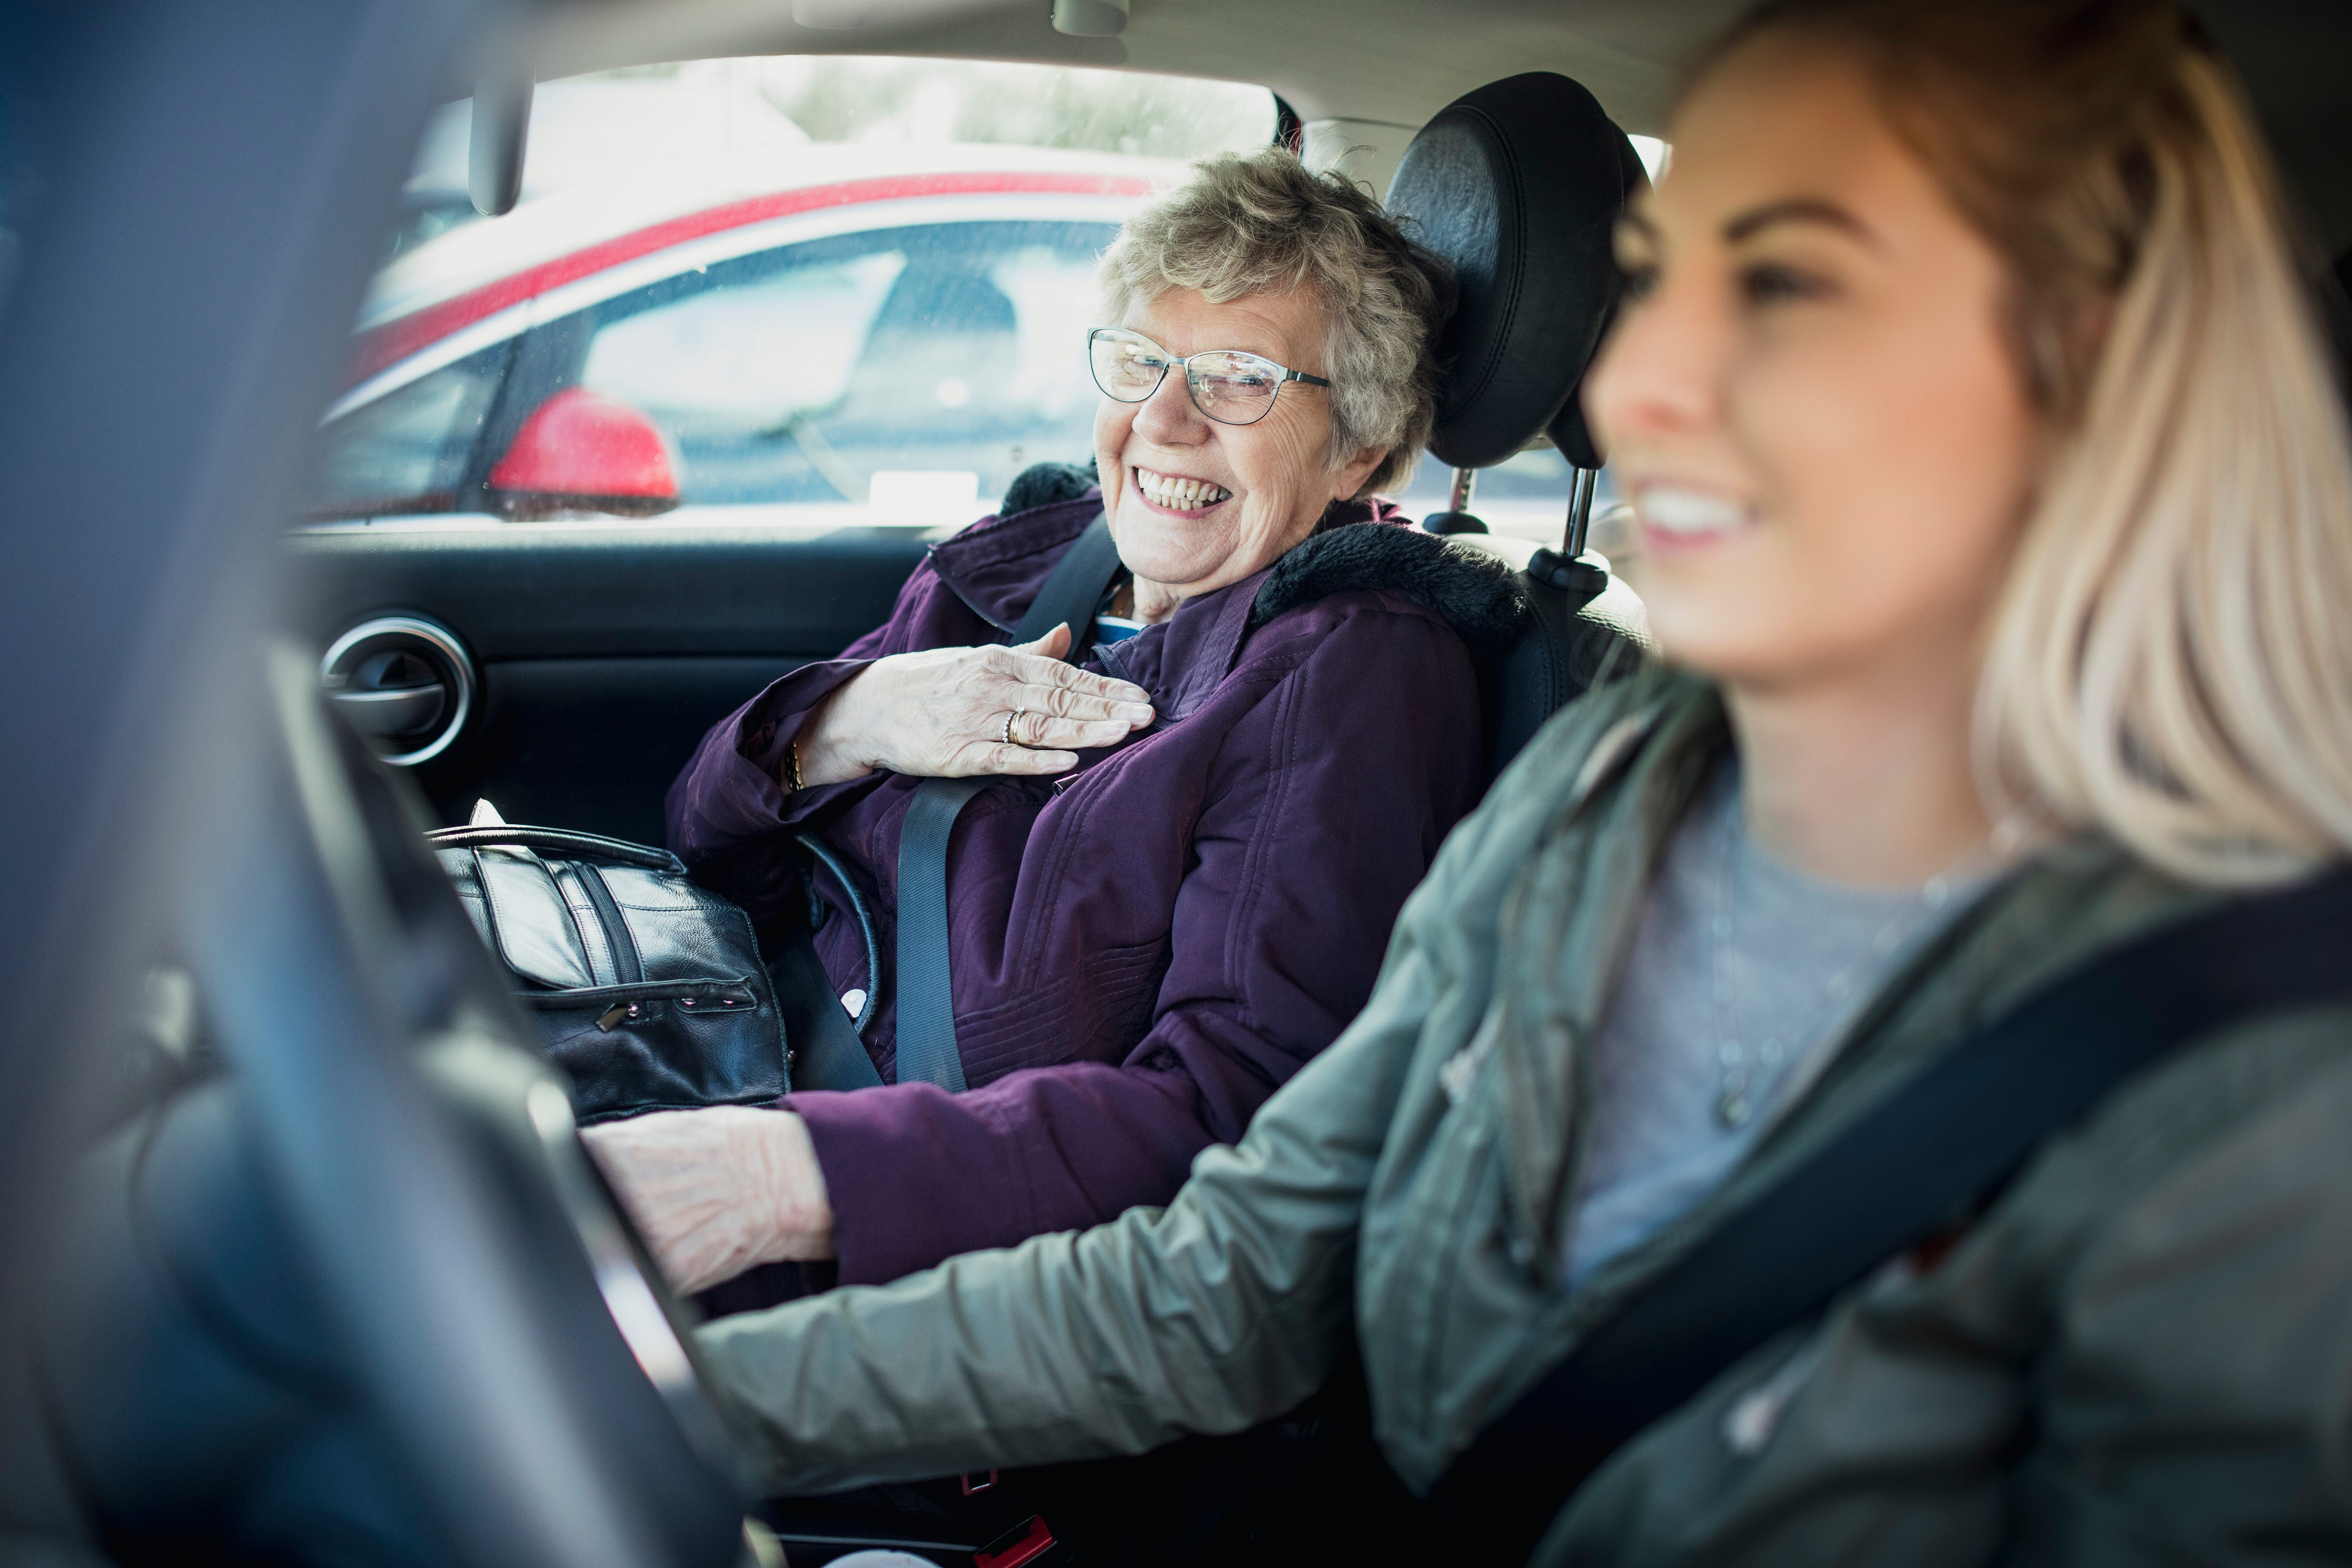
{"x": 1176, "y": 887}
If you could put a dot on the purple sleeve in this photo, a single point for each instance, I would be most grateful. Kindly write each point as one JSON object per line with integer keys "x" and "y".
{"x": 727, "y": 807}
{"x": 1303, "y": 863}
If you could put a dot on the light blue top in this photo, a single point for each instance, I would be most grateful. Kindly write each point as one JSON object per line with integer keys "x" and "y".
{"x": 1744, "y": 976}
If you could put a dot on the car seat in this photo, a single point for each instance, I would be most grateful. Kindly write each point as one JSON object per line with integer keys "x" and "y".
{"x": 1519, "y": 186}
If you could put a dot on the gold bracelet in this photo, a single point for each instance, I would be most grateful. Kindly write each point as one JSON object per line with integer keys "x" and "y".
{"x": 793, "y": 751}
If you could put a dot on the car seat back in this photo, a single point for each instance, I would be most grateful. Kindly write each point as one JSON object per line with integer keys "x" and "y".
{"x": 1519, "y": 186}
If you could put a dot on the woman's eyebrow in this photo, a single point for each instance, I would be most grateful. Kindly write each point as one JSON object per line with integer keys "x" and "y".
{"x": 1798, "y": 209}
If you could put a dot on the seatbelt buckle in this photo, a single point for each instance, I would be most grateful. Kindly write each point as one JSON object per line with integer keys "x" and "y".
{"x": 1022, "y": 1543}
{"x": 973, "y": 1488}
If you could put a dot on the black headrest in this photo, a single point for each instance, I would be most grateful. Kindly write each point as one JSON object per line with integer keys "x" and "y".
{"x": 1519, "y": 184}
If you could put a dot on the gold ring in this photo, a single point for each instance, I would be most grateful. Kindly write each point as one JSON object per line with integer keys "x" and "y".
{"x": 1009, "y": 720}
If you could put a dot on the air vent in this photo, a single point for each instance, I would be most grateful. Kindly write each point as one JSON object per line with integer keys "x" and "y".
{"x": 406, "y": 683}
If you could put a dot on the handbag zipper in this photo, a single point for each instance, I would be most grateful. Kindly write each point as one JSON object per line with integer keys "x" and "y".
{"x": 628, "y": 969}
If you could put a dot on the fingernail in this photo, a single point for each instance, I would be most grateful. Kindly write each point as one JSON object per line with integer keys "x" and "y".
{"x": 1136, "y": 712}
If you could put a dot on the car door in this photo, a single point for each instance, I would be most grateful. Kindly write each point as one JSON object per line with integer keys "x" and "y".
{"x": 590, "y": 506}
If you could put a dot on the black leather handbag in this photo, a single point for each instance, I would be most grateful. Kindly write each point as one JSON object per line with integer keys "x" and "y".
{"x": 648, "y": 990}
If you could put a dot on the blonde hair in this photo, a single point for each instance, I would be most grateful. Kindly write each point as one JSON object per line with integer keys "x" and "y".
{"x": 1260, "y": 222}
{"x": 2170, "y": 661}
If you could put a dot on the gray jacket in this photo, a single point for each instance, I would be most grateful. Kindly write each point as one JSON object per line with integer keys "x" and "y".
{"x": 2143, "y": 1353}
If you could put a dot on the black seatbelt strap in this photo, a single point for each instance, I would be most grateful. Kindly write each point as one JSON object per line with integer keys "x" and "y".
{"x": 1073, "y": 589}
{"x": 927, "y": 1037}
{"x": 1938, "y": 1149}
{"x": 826, "y": 1051}
{"x": 1563, "y": 650}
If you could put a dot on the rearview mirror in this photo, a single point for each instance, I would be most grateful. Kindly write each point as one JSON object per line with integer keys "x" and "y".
{"x": 500, "y": 133}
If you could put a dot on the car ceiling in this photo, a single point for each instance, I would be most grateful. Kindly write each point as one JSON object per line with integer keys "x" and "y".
{"x": 1398, "y": 61}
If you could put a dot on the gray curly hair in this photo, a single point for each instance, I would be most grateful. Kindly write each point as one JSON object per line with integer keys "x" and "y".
{"x": 1260, "y": 222}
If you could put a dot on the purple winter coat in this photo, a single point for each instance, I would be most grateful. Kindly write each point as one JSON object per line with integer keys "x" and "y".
{"x": 1146, "y": 948}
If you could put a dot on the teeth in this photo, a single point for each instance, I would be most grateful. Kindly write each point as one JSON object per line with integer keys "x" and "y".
{"x": 1670, "y": 510}
{"x": 1178, "y": 494}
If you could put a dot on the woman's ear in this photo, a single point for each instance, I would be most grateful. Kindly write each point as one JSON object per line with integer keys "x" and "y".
{"x": 1348, "y": 479}
{"x": 2062, "y": 346}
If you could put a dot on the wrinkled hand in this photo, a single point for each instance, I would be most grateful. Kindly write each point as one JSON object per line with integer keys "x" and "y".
{"x": 941, "y": 714}
{"x": 716, "y": 1192}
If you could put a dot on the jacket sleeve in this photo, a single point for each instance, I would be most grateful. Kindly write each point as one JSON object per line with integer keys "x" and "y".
{"x": 1302, "y": 859}
{"x": 727, "y": 808}
{"x": 1225, "y": 1309}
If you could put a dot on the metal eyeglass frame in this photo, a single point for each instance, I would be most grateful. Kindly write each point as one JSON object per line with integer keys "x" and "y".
{"x": 1185, "y": 361}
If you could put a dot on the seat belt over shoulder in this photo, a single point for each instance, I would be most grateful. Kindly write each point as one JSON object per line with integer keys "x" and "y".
{"x": 927, "y": 1036}
{"x": 1938, "y": 1149}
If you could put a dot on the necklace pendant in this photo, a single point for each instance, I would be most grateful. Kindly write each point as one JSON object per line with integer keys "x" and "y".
{"x": 1731, "y": 1107}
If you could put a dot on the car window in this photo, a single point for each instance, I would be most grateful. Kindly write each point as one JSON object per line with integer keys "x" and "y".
{"x": 801, "y": 374}
{"x": 768, "y": 283}
{"x": 904, "y": 367}
{"x": 759, "y": 112}
{"x": 409, "y": 450}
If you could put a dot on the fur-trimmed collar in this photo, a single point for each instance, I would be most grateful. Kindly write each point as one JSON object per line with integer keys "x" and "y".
{"x": 1477, "y": 593}
{"x": 1359, "y": 545}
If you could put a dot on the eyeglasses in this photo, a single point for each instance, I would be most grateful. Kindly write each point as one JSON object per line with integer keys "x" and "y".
{"x": 1227, "y": 386}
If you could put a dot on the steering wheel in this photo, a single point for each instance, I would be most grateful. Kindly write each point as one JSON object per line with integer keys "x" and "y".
{"x": 499, "y": 1317}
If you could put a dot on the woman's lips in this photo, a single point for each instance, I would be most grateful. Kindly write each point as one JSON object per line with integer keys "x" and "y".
{"x": 1175, "y": 495}
{"x": 1681, "y": 517}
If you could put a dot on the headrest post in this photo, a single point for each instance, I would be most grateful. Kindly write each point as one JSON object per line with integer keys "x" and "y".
{"x": 1465, "y": 483}
{"x": 1579, "y": 508}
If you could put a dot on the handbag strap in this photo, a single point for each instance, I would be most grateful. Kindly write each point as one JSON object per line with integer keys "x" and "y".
{"x": 618, "y": 849}
{"x": 927, "y": 1036}
{"x": 1933, "y": 1153}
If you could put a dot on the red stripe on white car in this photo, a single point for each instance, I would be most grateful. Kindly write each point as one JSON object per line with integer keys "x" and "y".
{"x": 394, "y": 341}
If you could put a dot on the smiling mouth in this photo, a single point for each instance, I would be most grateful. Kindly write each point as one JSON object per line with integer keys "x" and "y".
{"x": 1689, "y": 516}
{"x": 1178, "y": 494}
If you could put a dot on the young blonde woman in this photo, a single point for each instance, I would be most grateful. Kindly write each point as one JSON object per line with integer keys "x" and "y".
{"x": 1997, "y": 520}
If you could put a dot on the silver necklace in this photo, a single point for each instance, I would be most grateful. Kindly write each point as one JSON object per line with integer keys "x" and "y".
{"x": 1740, "y": 1090}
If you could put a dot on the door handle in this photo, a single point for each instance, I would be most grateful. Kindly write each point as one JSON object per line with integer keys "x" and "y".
{"x": 396, "y": 710}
